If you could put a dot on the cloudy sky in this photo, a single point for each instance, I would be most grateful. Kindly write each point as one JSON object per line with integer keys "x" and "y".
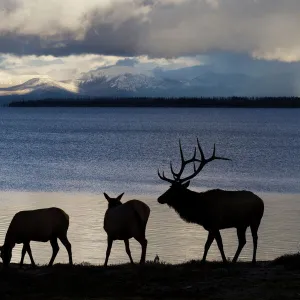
{"x": 63, "y": 38}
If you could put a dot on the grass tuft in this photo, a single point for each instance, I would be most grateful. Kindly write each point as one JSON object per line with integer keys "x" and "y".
{"x": 289, "y": 261}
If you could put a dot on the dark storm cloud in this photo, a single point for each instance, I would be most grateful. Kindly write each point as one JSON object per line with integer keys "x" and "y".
{"x": 115, "y": 37}
{"x": 158, "y": 28}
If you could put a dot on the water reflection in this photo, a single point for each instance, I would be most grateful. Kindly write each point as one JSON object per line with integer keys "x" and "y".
{"x": 168, "y": 236}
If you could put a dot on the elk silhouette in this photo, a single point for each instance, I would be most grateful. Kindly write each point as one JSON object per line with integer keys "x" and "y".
{"x": 213, "y": 209}
{"x": 123, "y": 221}
{"x": 40, "y": 225}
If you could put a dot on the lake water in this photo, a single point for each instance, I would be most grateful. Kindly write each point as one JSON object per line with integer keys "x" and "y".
{"x": 68, "y": 157}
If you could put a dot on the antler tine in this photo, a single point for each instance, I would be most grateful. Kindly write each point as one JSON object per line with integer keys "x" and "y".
{"x": 163, "y": 177}
{"x": 201, "y": 151}
{"x": 217, "y": 157}
{"x": 172, "y": 171}
{"x": 183, "y": 164}
{"x": 194, "y": 156}
{"x": 181, "y": 152}
{"x": 159, "y": 174}
{"x": 195, "y": 170}
{"x": 214, "y": 152}
{"x": 222, "y": 158}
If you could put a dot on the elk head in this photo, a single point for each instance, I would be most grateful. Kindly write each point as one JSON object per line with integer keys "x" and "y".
{"x": 178, "y": 184}
{"x": 113, "y": 202}
{"x": 5, "y": 254}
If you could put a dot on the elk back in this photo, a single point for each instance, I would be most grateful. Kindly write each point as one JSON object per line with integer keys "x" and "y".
{"x": 127, "y": 220}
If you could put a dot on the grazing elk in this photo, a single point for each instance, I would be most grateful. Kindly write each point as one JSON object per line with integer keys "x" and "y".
{"x": 214, "y": 209}
{"x": 122, "y": 221}
{"x": 40, "y": 225}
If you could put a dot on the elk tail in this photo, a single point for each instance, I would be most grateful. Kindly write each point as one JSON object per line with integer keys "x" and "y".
{"x": 66, "y": 215}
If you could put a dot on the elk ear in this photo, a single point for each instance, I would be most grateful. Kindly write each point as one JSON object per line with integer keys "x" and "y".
{"x": 186, "y": 185}
{"x": 120, "y": 196}
{"x": 106, "y": 196}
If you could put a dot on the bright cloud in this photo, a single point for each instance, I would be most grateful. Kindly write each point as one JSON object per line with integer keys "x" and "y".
{"x": 63, "y": 68}
{"x": 71, "y": 67}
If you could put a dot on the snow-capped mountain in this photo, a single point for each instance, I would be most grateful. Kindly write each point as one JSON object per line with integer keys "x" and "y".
{"x": 117, "y": 78}
{"x": 38, "y": 87}
{"x": 126, "y": 81}
{"x": 6, "y": 82}
{"x": 113, "y": 71}
{"x": 126, "y": 84}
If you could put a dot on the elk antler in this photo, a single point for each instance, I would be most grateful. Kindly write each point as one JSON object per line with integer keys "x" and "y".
{"x": 203, "y": 161}
{"x": 184, "y": 162}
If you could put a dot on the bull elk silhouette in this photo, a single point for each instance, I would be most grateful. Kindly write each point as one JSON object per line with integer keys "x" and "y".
{"x": 123, "y": 221}
{"x": 214, "y": 209}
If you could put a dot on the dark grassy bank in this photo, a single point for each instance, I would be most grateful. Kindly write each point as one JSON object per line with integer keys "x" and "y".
{"x": 243, "y": 102}
{"x": 278, "y": 279}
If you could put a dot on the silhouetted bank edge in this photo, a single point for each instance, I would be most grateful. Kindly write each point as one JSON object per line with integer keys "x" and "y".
{"x": 277, "y": 279}
{"x": 243, "y": 102}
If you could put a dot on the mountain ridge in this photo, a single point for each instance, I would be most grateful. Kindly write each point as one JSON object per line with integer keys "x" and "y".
{"x": 129, "y": 81}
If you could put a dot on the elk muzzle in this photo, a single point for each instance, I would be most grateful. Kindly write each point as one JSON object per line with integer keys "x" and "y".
{"x": 161, "y": 200}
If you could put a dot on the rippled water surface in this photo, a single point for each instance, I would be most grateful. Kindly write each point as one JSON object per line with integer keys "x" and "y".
{"x": 69, "y": 157}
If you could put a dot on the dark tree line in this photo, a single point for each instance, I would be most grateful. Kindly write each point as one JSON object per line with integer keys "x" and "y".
{"x": 251, "y": 102}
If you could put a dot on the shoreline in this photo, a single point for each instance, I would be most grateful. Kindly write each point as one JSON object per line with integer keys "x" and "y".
{"x": 148, "y": 196}
{"x": 174, "y": 241}
{"x": 274, "y": 279}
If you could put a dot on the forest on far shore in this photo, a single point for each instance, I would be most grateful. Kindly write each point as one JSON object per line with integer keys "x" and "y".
{"x": 244, "y": 102}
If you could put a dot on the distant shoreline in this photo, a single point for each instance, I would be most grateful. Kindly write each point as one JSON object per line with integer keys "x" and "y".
{"x": 204, "y": 102}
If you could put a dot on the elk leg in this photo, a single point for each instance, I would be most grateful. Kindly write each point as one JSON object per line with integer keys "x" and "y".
{"x": 144, "y": 250}
{"x": 64, "y": 240}
{"x": 220, "y": 245}
{"x": 128, "y": 250}
{"x": 241, "y": 233}
{"x": 109, "y": 245}
{"x": 55, "y": 249}
{"x": 208, "y": 243}
{"x": 254, "y": 229}
{"x": 24, "y": 250}
{"x": 143, "y": 241}
{"x": 30, "y": 254}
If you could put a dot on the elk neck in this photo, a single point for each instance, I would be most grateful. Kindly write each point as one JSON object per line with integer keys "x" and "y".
{"x": 191, "y": 206}
{"x": 113, "y": 205}
{"x": 9, "y": 241}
